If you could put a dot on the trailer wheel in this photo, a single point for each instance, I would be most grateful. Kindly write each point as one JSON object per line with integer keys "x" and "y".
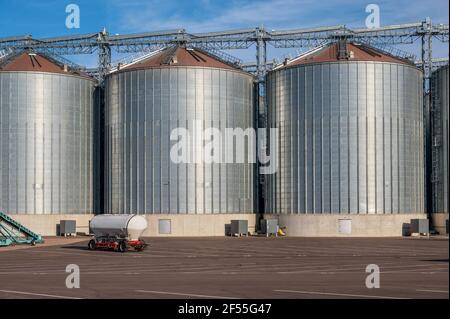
{"x": 140, "y": 247}
{"x": 91, "y": 245}
{"x": 123, "y": 247}
{"x": 33, "y": 243}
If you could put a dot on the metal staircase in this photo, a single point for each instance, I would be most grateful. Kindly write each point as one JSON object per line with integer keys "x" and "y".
{"x": 436, "y": 147}
{"x": 12, "y": 232}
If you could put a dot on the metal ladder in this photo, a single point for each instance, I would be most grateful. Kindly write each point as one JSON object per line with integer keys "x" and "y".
{"x": 436, "y": 131}
{"x": 12, "y": 232}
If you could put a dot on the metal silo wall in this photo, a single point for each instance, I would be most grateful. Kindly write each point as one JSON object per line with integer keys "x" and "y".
{"x": 46, "y": 143}
{"x": 440, "y": 144}
{"x": 142, "y": 108}
{"x": 350, "y": 139}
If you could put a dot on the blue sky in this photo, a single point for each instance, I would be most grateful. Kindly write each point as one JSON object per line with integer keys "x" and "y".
{"x": 46, "y": 18}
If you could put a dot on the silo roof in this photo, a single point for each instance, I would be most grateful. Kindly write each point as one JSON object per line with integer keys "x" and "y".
{"x": 36, "y": 62}
{"x": 181, "y": 56}
{"x": 356, "y": 52}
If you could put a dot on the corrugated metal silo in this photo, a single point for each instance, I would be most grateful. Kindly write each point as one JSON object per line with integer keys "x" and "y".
{"x": 46, "y": 143}
{"x": 350, "y": 144}
{"x": 440, "y": 146}
{"x": 145, "y": 102}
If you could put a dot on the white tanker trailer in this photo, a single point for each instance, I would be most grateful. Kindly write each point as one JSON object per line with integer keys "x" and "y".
{"x": 118, "y": 232}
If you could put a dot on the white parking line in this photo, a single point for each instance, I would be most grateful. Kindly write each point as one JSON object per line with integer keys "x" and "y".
{"x": 426, "y": 270}
{"x": 436, "y": 291}
{"x": 337, "y": 294}
{"x": 338, "y": 268}
{"x": 36, "y": 294}
{"x": 182, "y": 294}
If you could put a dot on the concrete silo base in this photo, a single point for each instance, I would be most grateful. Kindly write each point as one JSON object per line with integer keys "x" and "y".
{"x": 197, "y": 225}
{"x": 193, "y": 225}
{"x": 329, "y": 225}
{"x": 46, "y": 224}
{"x": 438, "y": 221}
{"x": 180, "y": 225}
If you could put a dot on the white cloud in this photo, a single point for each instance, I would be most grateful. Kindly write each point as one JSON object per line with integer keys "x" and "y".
{"x": 157, "y": 15}
{"x": 210, "y": 15}
{"x": 239, "y": 14}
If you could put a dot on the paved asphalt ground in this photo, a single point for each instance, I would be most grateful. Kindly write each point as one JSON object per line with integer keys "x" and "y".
{"x": 233, "y": 268}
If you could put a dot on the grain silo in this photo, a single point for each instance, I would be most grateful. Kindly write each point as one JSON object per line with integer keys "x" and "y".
{"x": 46, "y": 166}
{"x": 350, "y": 146}
{"x": 439, "y": 146}
{"x": 177, "y": 88}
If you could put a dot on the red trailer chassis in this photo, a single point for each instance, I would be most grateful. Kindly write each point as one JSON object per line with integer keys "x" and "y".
{"x": 116, "y": 244}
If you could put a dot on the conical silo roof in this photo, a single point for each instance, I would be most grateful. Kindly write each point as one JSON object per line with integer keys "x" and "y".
{"x": 29, "y": 61}
{"x": 182, "y": 57}
{"x": 340, "y": 52}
